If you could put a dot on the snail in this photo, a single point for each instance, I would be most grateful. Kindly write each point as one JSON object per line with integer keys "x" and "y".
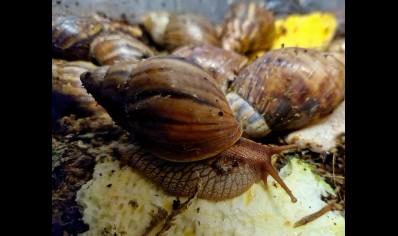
{"x": 286, "y": 89}
{"x": 109, "y": 48}
{"x": 172, "y": 30}
{"x": 247, "y": 27}
{"x": 298, "y": 73}
{"x": 89, "y": 37}
{"x": 72, "y": 35}
{"x": 175, "y": 108}
{"x": 223, "y": 65}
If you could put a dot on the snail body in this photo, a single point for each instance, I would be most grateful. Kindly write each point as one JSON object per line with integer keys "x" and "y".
{"x": 224, "y": 176}
{"x": 176, "y": 109}
{"x": 289, "y": 88}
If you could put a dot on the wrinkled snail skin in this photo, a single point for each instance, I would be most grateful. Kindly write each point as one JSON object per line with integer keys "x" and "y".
{"x": 172, "y": 30}
{"x": 223, "y": 65}
{"x": 224, "y": 176}
{"x": 291, "y": 87}
{"x": 109, "y": 48}
{"x": 175, "y": 108}
{"x": 247, "y": 27}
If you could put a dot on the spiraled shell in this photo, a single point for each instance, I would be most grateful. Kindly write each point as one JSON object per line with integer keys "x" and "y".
{"x": 72, "y": 35}
{"x": 173, "y": 30}
{"x": 109, "y": 48}
{"x": 107, "y": 84}
{"x": 174, "y": 107}
{"x": 253, "y": 124}
{"x": 290, "y": 87}
{"x": 223, "y": 65}
{"x": 248, "y": 27}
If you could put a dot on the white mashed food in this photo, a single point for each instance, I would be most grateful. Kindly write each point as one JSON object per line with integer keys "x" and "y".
{"x": 119, "y": 201}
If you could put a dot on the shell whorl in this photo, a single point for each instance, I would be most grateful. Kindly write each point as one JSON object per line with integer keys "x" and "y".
{"x": 253, "y": 124}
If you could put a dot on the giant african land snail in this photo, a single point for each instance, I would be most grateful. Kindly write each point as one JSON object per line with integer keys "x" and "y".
{"x": 176, "y": 110}
{"x": 91, "y": 38}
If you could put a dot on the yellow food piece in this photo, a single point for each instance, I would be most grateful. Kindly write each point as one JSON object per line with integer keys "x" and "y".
{"x": 315, "y": 30}
{"x": 118, "y": 201}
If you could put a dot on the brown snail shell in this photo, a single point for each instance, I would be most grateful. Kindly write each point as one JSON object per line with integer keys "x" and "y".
{"x": 107, "y": 84}
{"x": 106, "y": 49}
{"x": 248, "y": 27}
{"x": 118, "y": 26}
{"x": 223, "y": 65}
{"x": 172, "y": 30}
{"x": 72, "y": 35}
{"x": 68, "y": 94}
{"x": 291, "y": 87}
{"x": 172, "y": 107}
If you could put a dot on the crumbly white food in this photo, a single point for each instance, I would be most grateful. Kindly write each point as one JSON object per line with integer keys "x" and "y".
{"x": 118, "y": 201}
{"x": 321, "y": 136}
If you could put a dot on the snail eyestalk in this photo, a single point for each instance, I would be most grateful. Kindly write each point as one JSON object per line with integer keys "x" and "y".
{"x": 261, "y": 154}
{"x": 278, "y": 149}
{"x": 271, "y": 171}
